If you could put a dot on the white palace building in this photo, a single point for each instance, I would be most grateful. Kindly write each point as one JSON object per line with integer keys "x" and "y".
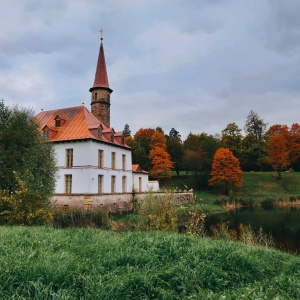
{"x": 92, "y": 158}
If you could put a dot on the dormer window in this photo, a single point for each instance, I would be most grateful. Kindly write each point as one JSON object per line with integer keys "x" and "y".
{"x": 59, "y": 121}
{"x": 111, "y": 136}
{"x": 123, "y": 139}
{"x": 46, "y": 134}
{"x": 100, "y": 133}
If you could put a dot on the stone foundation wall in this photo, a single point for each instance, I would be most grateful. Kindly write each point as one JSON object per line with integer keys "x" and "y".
{"x": 114, "y": 202}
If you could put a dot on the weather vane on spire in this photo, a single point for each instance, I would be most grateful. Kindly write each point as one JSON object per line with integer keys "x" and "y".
{"x": 101, "y": 31}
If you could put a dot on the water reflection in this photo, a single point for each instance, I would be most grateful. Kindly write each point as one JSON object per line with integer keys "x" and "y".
{"x": 282, "y": 222}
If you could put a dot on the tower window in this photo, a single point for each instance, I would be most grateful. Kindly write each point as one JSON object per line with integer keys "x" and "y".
{"x": 100, "y": 133}
{"x": 95, "y": 97}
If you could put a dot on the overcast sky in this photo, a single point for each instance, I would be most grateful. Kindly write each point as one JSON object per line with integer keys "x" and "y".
{"x": 195, "y": 65}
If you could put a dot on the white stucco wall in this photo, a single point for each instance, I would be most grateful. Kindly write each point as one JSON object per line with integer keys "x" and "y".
{"x": 85, "y": 169}
{"x": 144, "y": 177}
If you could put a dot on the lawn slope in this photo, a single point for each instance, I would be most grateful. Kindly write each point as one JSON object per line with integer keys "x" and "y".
{"x": 47, "y": 263}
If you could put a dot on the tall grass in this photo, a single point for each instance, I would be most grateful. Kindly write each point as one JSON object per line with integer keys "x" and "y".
{"x": 244, "y": 234}
{"x": 64, "y": 217}
{"x": 48, "y": 263}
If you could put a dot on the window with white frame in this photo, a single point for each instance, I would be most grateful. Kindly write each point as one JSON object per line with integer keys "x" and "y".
{"x": 113, "y": 184}
{"x": 123, "y": 162}
{"x": 100, "y": 158}
{"x": 113, "y": 160}
{"x": 46, "y": 134}
{"x": 69, "y": 158}
{"x": 68, "y": 184}
{"x": 100, "y": 184}
{"x": 124, "y": 182}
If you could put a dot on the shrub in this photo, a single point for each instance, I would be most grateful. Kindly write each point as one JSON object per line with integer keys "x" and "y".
{"x": 157, "y": 213}
{"x": 24, "y": 207}
{"x": 268, "y": 202}
{"x": 195, "y": 224}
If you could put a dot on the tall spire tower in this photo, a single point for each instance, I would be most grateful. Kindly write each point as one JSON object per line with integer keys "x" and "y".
{"x": 100, "y": 98}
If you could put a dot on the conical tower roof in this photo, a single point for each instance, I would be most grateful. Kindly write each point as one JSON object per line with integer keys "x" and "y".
{"x": 101, "y": 79}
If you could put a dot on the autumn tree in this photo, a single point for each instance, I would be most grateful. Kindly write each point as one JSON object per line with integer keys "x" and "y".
{"x": 278, "y": 153}
{"x": 161, "y": 163}
{"x": 141, "y": 145}
{"x": 255, "y": 153}
{"x": 143, "y": 138}
{"x": 292, "y": 138}
{"x": 160, "y": 159}
{"x": 158, "y": 140}
{"x": 226, "y": 171}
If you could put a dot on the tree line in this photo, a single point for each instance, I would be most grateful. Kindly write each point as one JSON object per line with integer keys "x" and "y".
{"x": 261, "y": 148}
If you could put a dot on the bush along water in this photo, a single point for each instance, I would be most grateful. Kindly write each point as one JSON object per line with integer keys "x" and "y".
{"x": 158, "y": 213}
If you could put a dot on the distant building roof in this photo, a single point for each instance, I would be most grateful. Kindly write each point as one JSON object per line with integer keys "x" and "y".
{"x": 137, "y": 169}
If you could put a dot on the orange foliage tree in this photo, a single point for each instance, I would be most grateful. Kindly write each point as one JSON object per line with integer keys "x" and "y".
{"x": 226, "y": 170}
{"x": 158, "y": 140}
{"x": 144, "y": 133}
{"x": 278, "y": 153}
{"x": 161, "y": 163}
{"x": 160, "y": 159}
{"x": 292, "y": 139}
{"x": 294, "y": 146}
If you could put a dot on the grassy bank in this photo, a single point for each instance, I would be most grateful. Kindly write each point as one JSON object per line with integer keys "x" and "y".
{"x": 46, "y": 263}
{"x": 259, "y": 188}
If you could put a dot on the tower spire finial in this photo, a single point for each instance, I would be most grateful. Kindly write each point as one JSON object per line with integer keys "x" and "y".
{"x": 101, "y": 31}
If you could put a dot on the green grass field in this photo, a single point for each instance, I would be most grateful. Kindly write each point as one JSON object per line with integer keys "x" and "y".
{"x": 259, "y": 188}
{"x": 47, "y": 263}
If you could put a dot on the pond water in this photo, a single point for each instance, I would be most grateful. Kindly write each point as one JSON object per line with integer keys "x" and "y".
{"x": 283, "y": 223}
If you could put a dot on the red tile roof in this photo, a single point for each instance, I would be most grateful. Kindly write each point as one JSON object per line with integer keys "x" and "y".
{"x": 137, "y": 169}
{"x": 78, "y": 124}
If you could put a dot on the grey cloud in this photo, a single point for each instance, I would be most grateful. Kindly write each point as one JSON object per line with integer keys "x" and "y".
{"x": 283, "y": 26}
